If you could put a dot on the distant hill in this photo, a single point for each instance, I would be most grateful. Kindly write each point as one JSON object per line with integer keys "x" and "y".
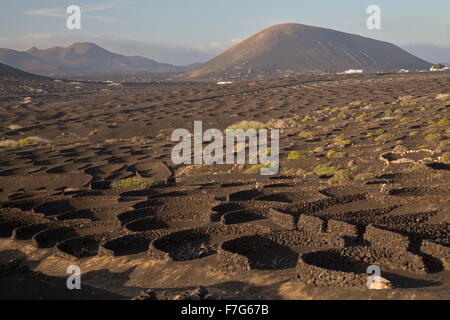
{"x": 81, "y": 58}
{"x": 24, "y": 61}
{"x": 296, "y": 48}
{"x": 429, "y": 52}
{"x": 10, "y": 72}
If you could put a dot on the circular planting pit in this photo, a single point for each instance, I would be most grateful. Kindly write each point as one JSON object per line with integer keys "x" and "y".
{"x": 102, "y": 172}
{"x": 15, "y": 218}
{"x": 76, "y": 214}
{"x": 128, "y": 244}
{"x": 100, "y": 185}
{"x": 311, "y": 207}
{"x": 439, "y": 166}
{"x": 241, "y": 216}
{"x": 161, "y": 221}
{"x": 276, "y": 197}
{"x": 420, "y": 191}
{"x": 255, "y": 252}
{"x": 232, "y": 184}
{"x": 149, "y": 203}
{"x": 278, "y": 185}
{"x": 7, "y": 227}
{"x": 28, "y": 231}
{"x": 169, "y": 194}
{"x": 132, "y": 215}
{"x": 56, "y": 207}
{"x": 331, "y": 268}
{"x": 138, "y": 194}
{"x": 156, "y": 169}
{"x": 288, "y": 195}
{"x": 244, "y": 195}
{"x": 82, "y": 247}
{"x": 66, "y": 168}
{"x": 221, "y": 209}
{"x": 198, "y": 242}
{"x": 347, "y": 267}
{"x": 25, "y": 205}
{"x": 147, "y": 223}
{"x": 272, "y": 249}
{"x": 51, "y": 237}
{"x": 182, "y": 245}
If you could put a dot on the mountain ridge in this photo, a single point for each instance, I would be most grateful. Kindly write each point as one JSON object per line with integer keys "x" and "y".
{"x": 81, "y": 58}
{"x": 296, "y": 48}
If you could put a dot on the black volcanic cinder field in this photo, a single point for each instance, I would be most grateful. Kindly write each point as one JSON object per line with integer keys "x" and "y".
{"x": 364, "y": 180}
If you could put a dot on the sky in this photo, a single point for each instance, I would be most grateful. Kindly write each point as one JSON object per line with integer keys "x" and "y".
{"x": 187, "y": 31}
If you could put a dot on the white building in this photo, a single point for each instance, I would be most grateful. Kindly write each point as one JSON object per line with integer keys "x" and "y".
{"x": 353, "y": 71}
{"x": 438, "y": 68}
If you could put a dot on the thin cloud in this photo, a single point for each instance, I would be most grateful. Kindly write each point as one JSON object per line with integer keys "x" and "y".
{"x": 219, "y": 46}
{"x": 97, "y": 7}
{"x": 102, "y": 18}
{"x": 47, "y": 12}
{"x": 60, "y": 13}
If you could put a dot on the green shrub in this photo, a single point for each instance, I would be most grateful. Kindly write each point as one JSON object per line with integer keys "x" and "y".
{"x": 385, "y": 137}
{"x": 433, "y": 137}
{"x": 307, "y": 118}
{"x": 340, "y": 177}
{"x": 141, "y": 140}
{"x": 362, "y": 117}
{"x": 31, "y": 90}
{"x": 443, "y": 122}
{"x": 294, "y": 172}
{"x": 342, "y": 115}
{"x": 446, "y": 157}
{"x": 256, "y": 168}
{"x": 325, "y": 169}
{"x": 365, "y": 175}
{"x": 341, "y": 142}
{"x": 293, "y": 155}
{"x": 134, "y": 183}
{"x": 356, "y": 103}
{"x": 306, "y": 134}
{"x": 246, "y": 125}
{"x": 32, "y": 141}
{"x": 334, "y": 154}
{"x": 94, "y": 132}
